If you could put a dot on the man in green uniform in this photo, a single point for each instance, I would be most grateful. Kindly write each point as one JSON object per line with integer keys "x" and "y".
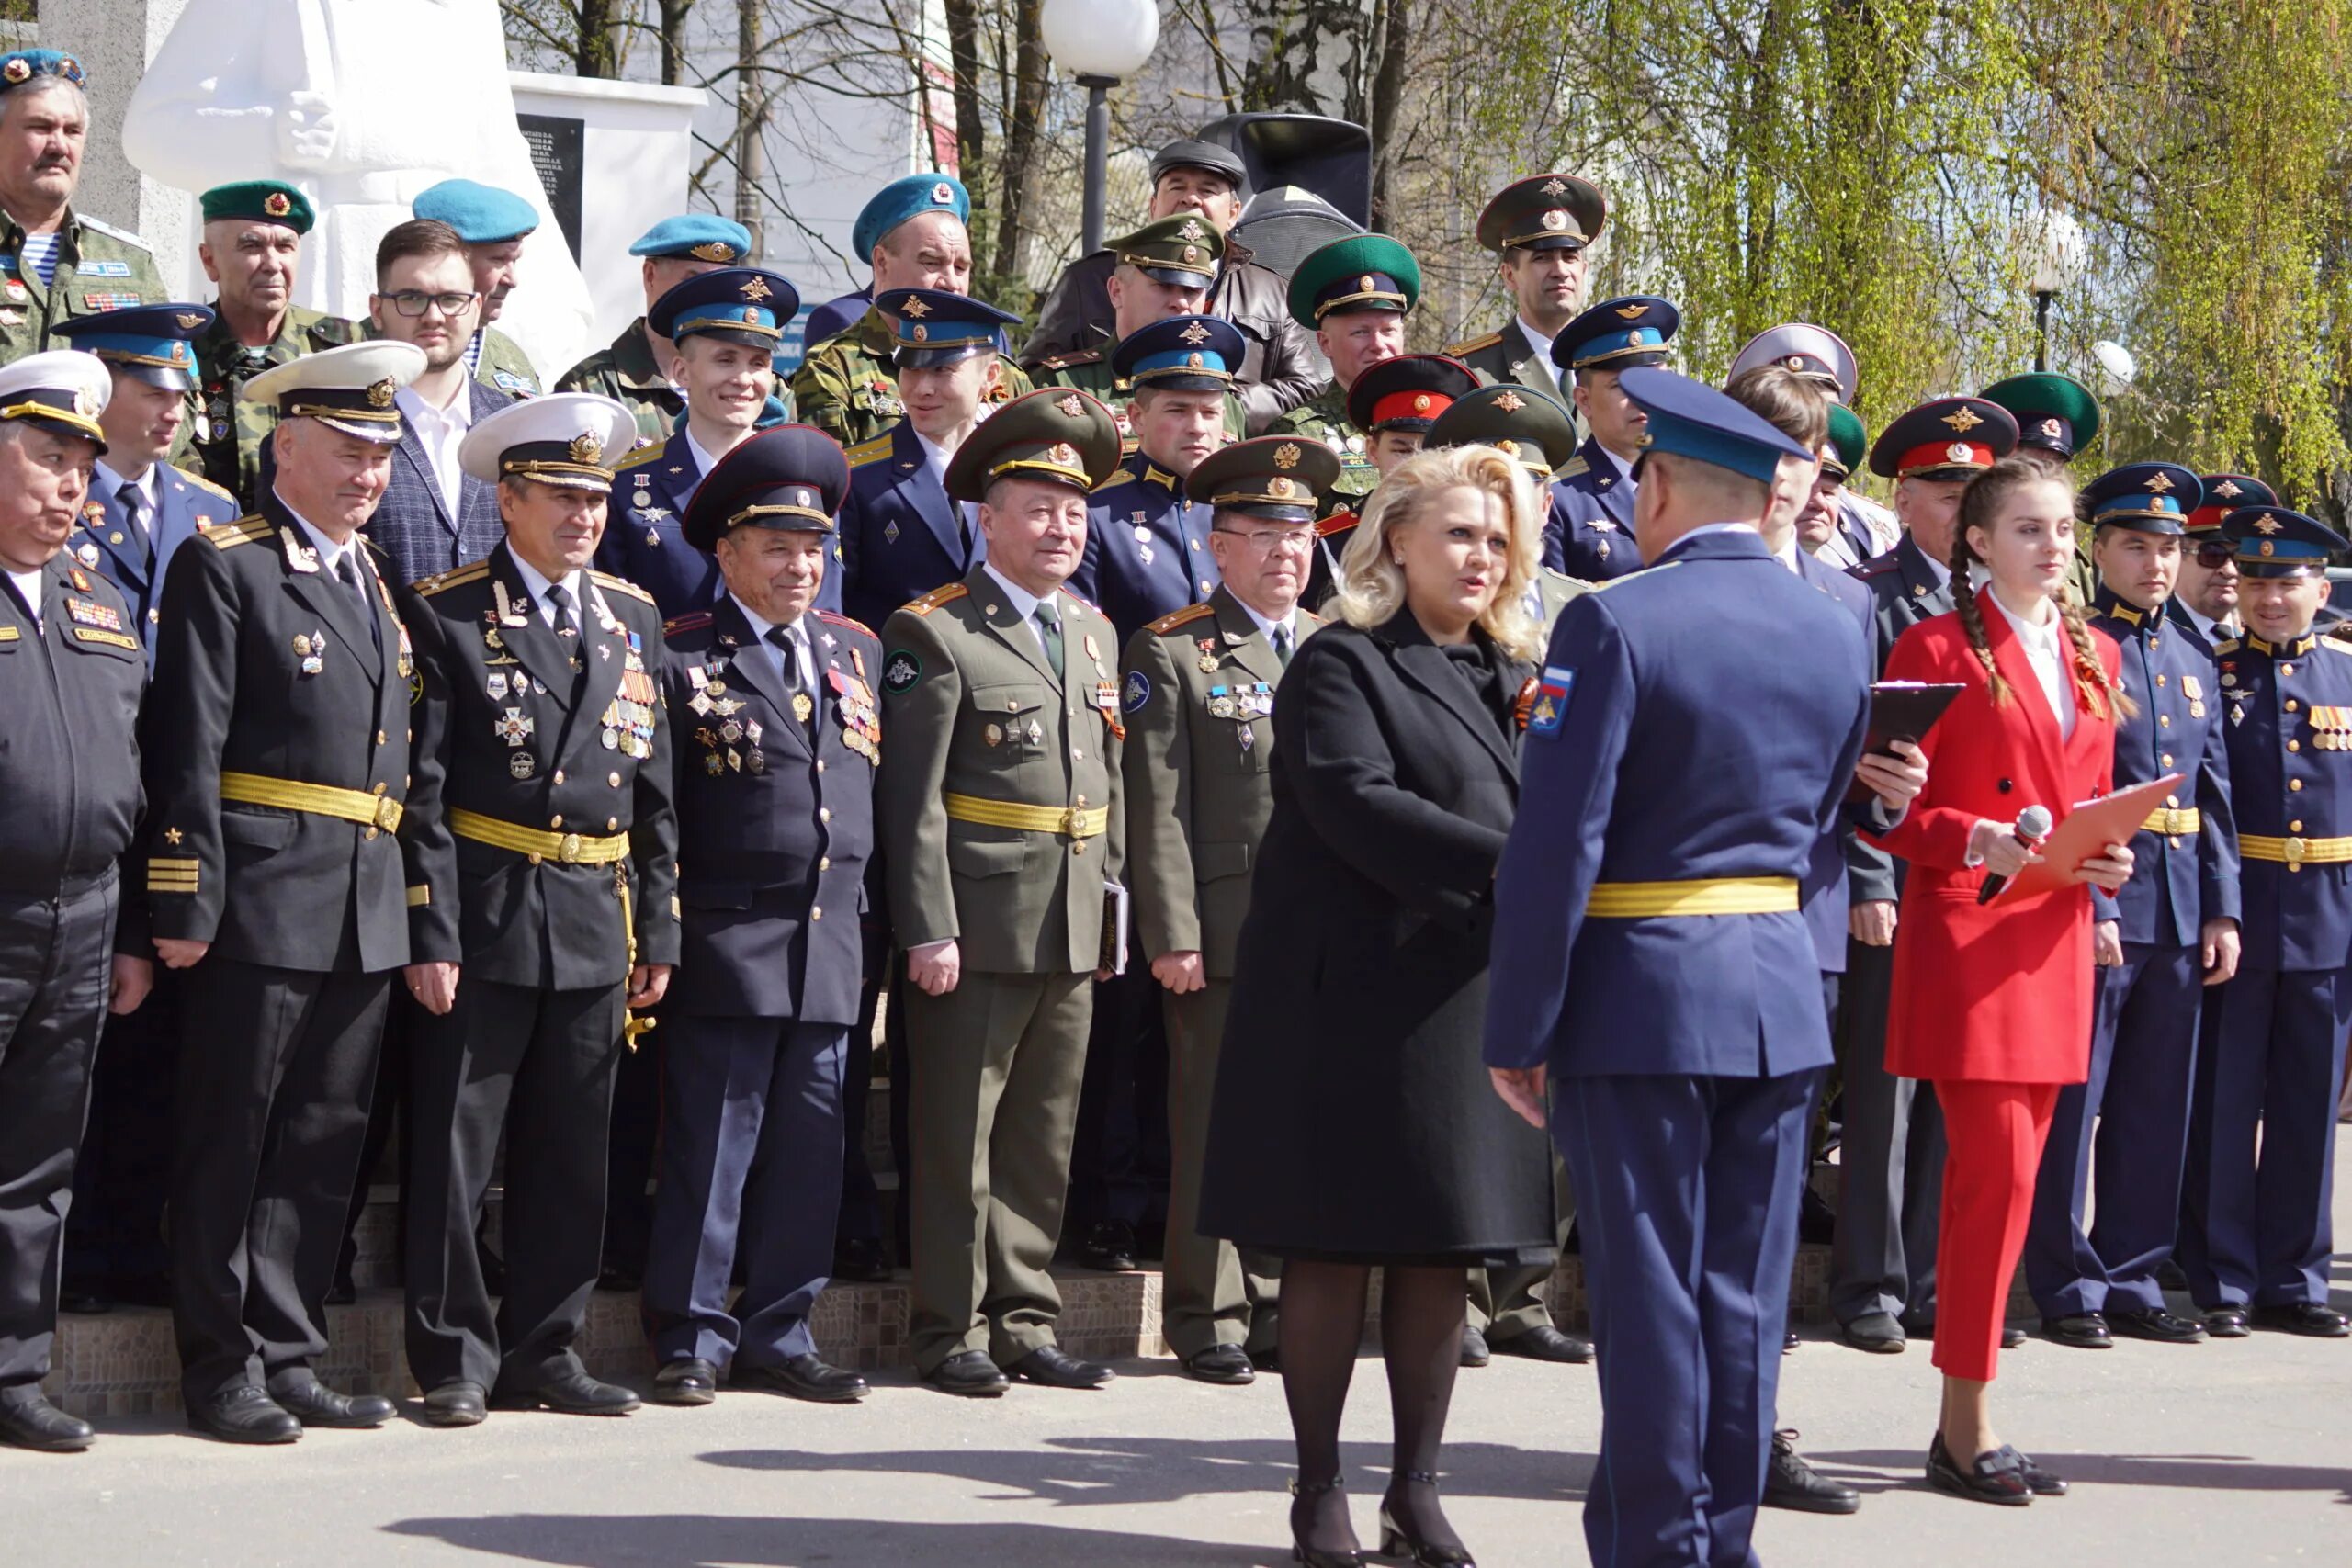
{"x": 1164, "y": 269}
{"x": 253, "y": 243}
{"x": 635, "y": 368}
{"x": 1538, "y": 228}
{"x": 54, "y": 262}
{"x": 1198, "y": 698}
{"x": 1000, "y": 797}
{"x": 1353, "y": 295}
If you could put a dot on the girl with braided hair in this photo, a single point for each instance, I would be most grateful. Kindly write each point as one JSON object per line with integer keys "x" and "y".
{"x": 1993, "y": 1003}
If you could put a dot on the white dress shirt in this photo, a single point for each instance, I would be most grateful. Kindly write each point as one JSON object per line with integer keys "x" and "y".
{"x": 1024, "y": 603}
{"x": 441, "y": 432}
{"x": 28, "y": 590}
{"x": 2051, "y": 653}
{"x": 1289, "y": 624}
{"x": 330, "y": 553}
{"x": 802, "y": 676}
{"x": 538, "y": 582}
{"x": 703, "y": 463}
{"x": 108, "y": 484}
{"x": 1543, "y": 347}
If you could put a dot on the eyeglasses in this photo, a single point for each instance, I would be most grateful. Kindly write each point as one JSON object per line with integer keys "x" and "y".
{"x": 2214, "y": 553}
{"x": 1271, "y": 541}
{"x": 413, "y": 302}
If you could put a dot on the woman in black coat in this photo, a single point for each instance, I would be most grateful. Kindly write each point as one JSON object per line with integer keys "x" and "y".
{"x": 1353, "y": 1126}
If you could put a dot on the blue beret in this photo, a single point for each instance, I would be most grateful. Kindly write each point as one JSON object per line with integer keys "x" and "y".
{"x": 22, "y": 65}
{"x": 1691, "y": 420}
{"x": 696, "y": 236}
{"x": 483, "y": 215}
{"x": 903, "y": 199}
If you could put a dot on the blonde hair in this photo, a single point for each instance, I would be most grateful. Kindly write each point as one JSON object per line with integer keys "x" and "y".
{"x": 1371, "y": 585}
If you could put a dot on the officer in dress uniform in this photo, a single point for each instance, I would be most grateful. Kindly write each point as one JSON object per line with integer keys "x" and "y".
{"x": 1853, "y": 536}
{"x": 70, "y": 680}
{"x": 542, "y": 908}
{"x": 1394, "y": 403}
{"x": 2169, "y": 933}
{"x": 1536, "y": 430}
{"x": 1595, "y": 492}
{"x": 777, "y": 724}
{"x": 1002, "y": 805}
{"x": 1165, "y": 269}
{"x": 1538, "y": 228}
{"x": 2206, "y": 607}
{"x": 2256, "y": 1246}
{"x": 1687, "y": 1134}
{"x": 634, "y": 369}
{"x": 277, "y": 763}
{"x": 1353, "y": 295}
{"x": 493, "y": 223}
{"x": 1813, "y": 354}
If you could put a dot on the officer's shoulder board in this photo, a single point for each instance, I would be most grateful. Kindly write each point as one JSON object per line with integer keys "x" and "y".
{"x": 441, "y": 582}
{"x": 1616, "y": 582}
{"x": 1878, "y": 567}
{"x": 947, "y": 594}
{"x": 866, "y": 452}
{"x": 640, "y": 457}
{"x": 243, "y": 531}
{"x": 691, "y": 621}
{"x": 856, "y": 625}
{"x": 1338, "y": 523}
{"x": 2334, "y": 639}
{"x": 1070, "y": 361}
{"x": 1571, "y": 469}
{"x": 1456, "y": 351}
{"x": 1081, "y": 604}
{"x": 200, "y": 482}
{"x": 619, "y": 585}
{"x": 1174, "y": 618}
{"x": 111, "y": 233}
{"x": 2231, "y": 646}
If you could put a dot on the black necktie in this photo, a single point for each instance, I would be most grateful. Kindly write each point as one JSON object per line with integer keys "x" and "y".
{"x": 787, "y": 641}
{"x": 1049, "y": 631}
{"x": 347, "y": 573}
{"x": 134, "y": 531}
{"x": 567, "y": 635}
{"x": 1282, "y": 645}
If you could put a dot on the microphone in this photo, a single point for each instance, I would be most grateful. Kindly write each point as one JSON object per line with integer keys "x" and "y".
{"x": 2033, "y": 826}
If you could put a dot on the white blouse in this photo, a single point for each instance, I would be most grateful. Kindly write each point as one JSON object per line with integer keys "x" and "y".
{"x": 2048, "y": 649}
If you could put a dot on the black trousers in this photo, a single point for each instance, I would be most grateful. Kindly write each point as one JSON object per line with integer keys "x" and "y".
{"x": 861, "y": 1206}
{"x": 538, "y": 1066}
{"x": 277, "y": 1067}
{"x": 55, "y": 962}
{"x": 114, "y": 1236}
{"x": 633, "y": 1148}
{"x": 1119, "y": 1159}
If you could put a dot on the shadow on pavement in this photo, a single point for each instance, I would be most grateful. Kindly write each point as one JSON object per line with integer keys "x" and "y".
{"x": 1887, "y": 1469}
{"x": 701, "y": 1540}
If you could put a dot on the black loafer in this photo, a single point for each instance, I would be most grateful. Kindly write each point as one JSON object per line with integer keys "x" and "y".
{"x": 1269, "y": 1359}
{"x": 2038, "y": 1480}
{"x": 1544, "y": 1343}
{"x": 2156, "y": 1324}
{"x": 861, "y": 1261}
{"x": 245, "y": 1414}
{"x": 313, "y": 1404}
{"x": 2083, "y": 1330}
{"x": 573, "y": 1393}
{"x": 457, "y": 1404}
{"x": 1789, "y": 1482}
{"x": 1227, "y": 1364}
{"x": 807, "y": 1377}
{"x": 2226, "y": 1322}
{"x": 1110, "y": 1245}
{"x": 968, "y": 1374}
{"x": 1880, "y": 1333}
{"x": 690, "y": 1381}
{"x": 27, "y": 1420}
{"x": 1475, "y": 1349}
{"x": 1053, "y": 1367}
{"x": 2308, "y": 1318}
{"x": 1997, "y": 1477}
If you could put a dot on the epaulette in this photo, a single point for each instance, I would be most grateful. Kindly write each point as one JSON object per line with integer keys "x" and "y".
{"x": 1081, "y": 604}
{"x": 866, "y": 452}
{"x": 946, "y": 594}
{"x": 2220, "y": 648}
{"x": 854, "y": 626}
{"x": 1571, "y": 469}
{"x": 202, "y": 483}
{"x": 640, "y": 457}
{"x": 691, "y": 621}
{"x": 441, "y": 582}
{"x": 1457, "y": 350}
{"x": 1645, "y": 571}
{"x": 619, "y": 585}
{"x": 1064, "y": 361}
{"x": 111, "y": 233}
{"x": 1870, "y": 569}
{"x": 1338, "y": 523}
{"x": 243, "y": 531}
{"x": 2336, "y": 640}
{"x": 1174, "y": 618}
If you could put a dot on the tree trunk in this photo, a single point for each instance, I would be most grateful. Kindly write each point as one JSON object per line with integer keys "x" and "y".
{"x": 673, "y": 39}
{"x": 751, "y": 124}
{"x": 1309, "y": 56}
{"x": 1020, "y": 133}
{"x": 1395, "y": 40}
{"x": 964, "y": 58}
{"x": 597, "y": 54}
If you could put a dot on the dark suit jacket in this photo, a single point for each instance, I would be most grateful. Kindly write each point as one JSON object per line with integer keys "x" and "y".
{"x": 1591, "y": 519}
{"x": 900, "y": 534}
{"x": 412, "y": 524}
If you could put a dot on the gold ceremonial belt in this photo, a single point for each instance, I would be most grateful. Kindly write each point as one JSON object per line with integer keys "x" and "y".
{"x": 1071, "y": 821}
{"x": 2173, "y": 821}
{"x": 2295, "y": 852}
{"x": 320, "y": 800}
{"x": 537, "y": 844}
{"x": 1708, "y": 896}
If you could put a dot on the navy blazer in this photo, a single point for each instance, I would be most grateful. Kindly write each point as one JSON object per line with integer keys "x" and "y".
{"x": 104, "y": 541}
{"x": 1146, "y": 547}
{"x": 1826, "y": 892}
{"x": 1590, "y": 531}
{"x": 1698, "y": 720}
{"x": 412, "y": 524}
{"x": 900, "y": 536}
{"x": 645, "y": 539}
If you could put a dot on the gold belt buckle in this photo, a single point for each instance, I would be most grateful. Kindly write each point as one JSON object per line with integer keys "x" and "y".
{"x": 2296, "y": 850}
{"x": 568, "y": 851}
{"x": 1069, "y": 827}
{"x": 388, "y": 813}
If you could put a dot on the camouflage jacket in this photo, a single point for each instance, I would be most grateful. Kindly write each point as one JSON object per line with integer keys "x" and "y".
{"x": 625, "y": 372}
{"x": 224, "y": 433}
{"x": 847, "y": 388}
{"x": 1324, "y": 418}
{"x": 1089, "y": 371}
{"x": 99, "y": 268}
{"x": 505, "y": 367}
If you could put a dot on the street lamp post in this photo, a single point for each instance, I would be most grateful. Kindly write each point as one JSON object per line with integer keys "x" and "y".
{"x": 1102, "y": 42}
{"x": 2052, "y": 246}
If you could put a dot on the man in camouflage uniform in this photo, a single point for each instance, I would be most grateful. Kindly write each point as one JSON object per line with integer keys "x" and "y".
{"x": 634, "y": 369}
{"x": 55, "y": 263}
{"x": 1353, "y": 295}
{"x": 1164, "y": 269}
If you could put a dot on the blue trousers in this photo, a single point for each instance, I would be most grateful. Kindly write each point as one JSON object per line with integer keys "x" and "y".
{"x": 1687, "y": 1196}
{"x": 2267, "y": 1231}
{"x": 2144, "y": 1060}
{"x": 751, "y": 1165}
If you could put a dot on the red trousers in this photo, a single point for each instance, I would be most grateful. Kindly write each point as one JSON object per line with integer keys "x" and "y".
{"x": 1992, "y": 1134}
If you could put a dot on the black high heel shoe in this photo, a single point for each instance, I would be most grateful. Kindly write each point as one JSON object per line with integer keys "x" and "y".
{"x": 1315, "y": 1556}
{"x": 1395, "y": 1543}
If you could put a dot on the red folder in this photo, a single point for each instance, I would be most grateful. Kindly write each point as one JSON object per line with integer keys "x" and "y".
{"x": 2083, "y": 834}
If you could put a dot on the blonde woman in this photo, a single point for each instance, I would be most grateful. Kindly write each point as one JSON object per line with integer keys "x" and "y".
{"x": 1352, "y": 1126}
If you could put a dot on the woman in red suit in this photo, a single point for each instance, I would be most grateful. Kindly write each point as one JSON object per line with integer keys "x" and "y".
{"x": 1992, "y": 1005}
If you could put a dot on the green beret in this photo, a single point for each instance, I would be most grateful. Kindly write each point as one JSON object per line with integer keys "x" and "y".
{"x": 261, "y": 201}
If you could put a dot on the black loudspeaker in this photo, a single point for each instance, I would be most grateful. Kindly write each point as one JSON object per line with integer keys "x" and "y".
{"x": 1330, "y": 157}
{"x": 1282, "y": 225}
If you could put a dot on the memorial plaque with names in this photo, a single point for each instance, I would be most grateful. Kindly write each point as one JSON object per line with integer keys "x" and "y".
{"x": 557, "y": 145}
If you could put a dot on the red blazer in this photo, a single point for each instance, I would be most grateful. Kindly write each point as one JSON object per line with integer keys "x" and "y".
{"x": 2003, "y": 993}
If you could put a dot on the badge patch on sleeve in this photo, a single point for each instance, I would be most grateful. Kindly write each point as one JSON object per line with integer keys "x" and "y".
{"x": 899, "y": 676}
{"x": 1138, "y": 691}
{"x": 1551, "y": 709}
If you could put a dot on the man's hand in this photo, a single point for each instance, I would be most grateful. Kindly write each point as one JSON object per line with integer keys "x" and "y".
{"x": 306, "y": 130}
{"x": 132, "y": 980}
{"x": 1896, "y": 779}
{"x": 2221, "y": 955}
{"x": 178, "y": 952}
{"x": 647, "y": 985}
{"x": 2107, "y": 945}
{"x": 1522, "y": 1091}
{"x": 934, "y": 967}
{"x": 2109, "y": 870}
{"x": 1179, "y": 972}
{"x": 434, "y": 985}
{"x": 1872, "y": 922}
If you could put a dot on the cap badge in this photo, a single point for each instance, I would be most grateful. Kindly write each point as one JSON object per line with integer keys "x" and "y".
{"x": 586, "y": 448}
{"x": 1963, "y": 419}
{"x": 1555, "y": 220}
{"x": 713, "y": 250}
{"x": 2050, "y": 427}
{"x": 2228, "y": 487}
{"x": 1279, "y": 487}
{"x": 178, "y": 352}
{"x": 942, "y": 194}
{"x": 1192, "y": 231}
{"x": 1508, "y": 448}
{"x": 2267, "y": 547}
{"x": 1195, "y": 332}
{"x": 1073, "y": 406}
{"x": 1364, "y": 283}
{"x": 85, "y": 402}
{"x": 276, "y": 204}
{"x": 1960, "y": 452}
{"x": 804, "y": 498}
{"x": 1633, "y": 312}
{"x": 380, "y": 396}
{"x": 920, "y": 333}
{"x": 2266, "y": 525}
{"x": 1511, "y": 402}
{"x": 1286, "y": 455}
{"x": 1062, "y": 452}
{"x": 1192, "y": 252}
{"x": 189, "y": 321}
{"x": 1556, "y": 187}
{"x": 15, "y": 70}
{"x": 2160, "y": 482}
{"x": 756, "y": 288}
{"x": 1421, "y": 403}
{"x": 916, "y": 307}
{"x": 1794, "y": 362}
{"x": 1194, "y": 361}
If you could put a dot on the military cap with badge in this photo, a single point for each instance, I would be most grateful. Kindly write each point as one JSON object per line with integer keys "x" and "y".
{"x": 1053, "y": 436}
{"x": 1408, "y": 393}
{"x": 2276, "y": 541}
{"x": 1181, "y": 250}
{"x": 2220, "y": 494}
{"x": 566, "y": 439}
{"x": 1359, "y": 272}
{"x": 1814, "y": 353}
{"x": 21, "y": 65}
{"x": 1544, "y": 212}
{"x": 149, "y": 343}
{"x": 696, "y": 236}
{"x": 259, "y": 201}
{"x": 2147, "y": 498}
{"x": 62, "y": 391}
{"x": 1273, "y": 477}
{"x": 935, "y": 327}
{"x": 1183, "y": 354}
{"x": 1531, "y": 427}
{"x": 1618, "y": 334}
{"x": 742, "y": 304}
{"x": 1946, "y": 438}
{"x": 349, "y": 388}
{"x": 1849, "y": 442}
{"x": 908, "y": 196}
{"x": 2055, "y": 413}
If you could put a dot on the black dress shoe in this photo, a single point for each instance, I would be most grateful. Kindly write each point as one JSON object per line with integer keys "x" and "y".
{"x": 1269, "y": 1359}
{"x": 457, "y": 1404}
{"x": 29, "y": 1420}
{"x": 692, "y": 1381}
{"x": 88, "y": 1302}
{"x": 245, "y": 1414}
{"x": 1997, "y": 1477}
{"x": 1544, "y": 1343}
{"x": 1791, "y": 1484}
{"x": 2303, "y": 1317}
{"x": 1877, "y": 1331}
{"x": 1220, "y": 1364}
{"x": 2083, "y": 1330}
{"x": 1056, "y": 1368}
{"x": 861, "y": 1260}
{"x": 1788, "y": 1342}
{"x": 313, "y": 1404}
{"x": 2038, "y": 1480}
{"x": 1110, "y": 1245}
{"x": 968, "y": 1373}
{"x": 2012, "y": 1336}
{"x": 1475, "y": 1349}
{"x": 2156, "y": 1324}
{"x": 805, "y": 1377}
{"x": 572, "y": 1393}
{"x": 2226, "y": 1322}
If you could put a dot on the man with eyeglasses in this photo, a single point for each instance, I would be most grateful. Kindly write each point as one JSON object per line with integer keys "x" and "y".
{"x": 493, "y": 223}
{"x": 1198, "y": 694}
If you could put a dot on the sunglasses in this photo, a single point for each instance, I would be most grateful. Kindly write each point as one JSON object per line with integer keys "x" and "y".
{"x": 2214, "y": 553}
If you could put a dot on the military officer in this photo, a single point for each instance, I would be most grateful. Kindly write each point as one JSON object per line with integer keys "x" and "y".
{"x": 1538, "y": 228}
{"x": 541, "y": 876}
{"x": 635, "y": 367}
{"x": 776, "y": 722}
{"x": 1392, "y": 403}
{"x": 70, "y": 680}
{"x": 1862, "y": 528}
{"x": 1814, "y": 353}
{"x": 1002, "y": 805}
{"x": 1535, "y": 430}
{"x": 2167, "y": 935}
{"x": 276, "y": 765}
{"x": 493, "y": 223}
{"x": 1593, "y": 495}
{"x": 55, "y": 263}
{"x": 251, "y": 244}
{"x": 1165, "y": 269}
{"x": 2256, "y": 1248}
{"x": 1353, "y": 295}
{"x": 2206, "y": 606}
{"x": 1838, "y": 528}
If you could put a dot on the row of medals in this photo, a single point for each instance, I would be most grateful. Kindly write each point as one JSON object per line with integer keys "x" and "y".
{"x": 861, "y": 726}
{"x": 1246, "y": 704}
{"x": 627, "y": 723}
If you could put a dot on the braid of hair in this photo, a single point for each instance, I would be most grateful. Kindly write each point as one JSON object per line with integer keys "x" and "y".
{"x": 1971, "y": 616}
{"x": 2100, "y": 696}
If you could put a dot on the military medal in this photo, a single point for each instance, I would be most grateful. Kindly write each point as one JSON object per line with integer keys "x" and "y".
{"x": 1249, "y": 735}
{"x": 497, "y": 686}
{"x": 757, "y": 762}
{"x": 802, "y": 706}
{"x": 992, "y": 735}
{"x": 890, "y": 532}
{"x": 731, "y": 732}
{"x": 713, "y": 765}
{"x": 515, "y": 727}
{"x": 520, "y": 764}
{"x": 1036, "y": 733}
{"x": 1208, "y": 656}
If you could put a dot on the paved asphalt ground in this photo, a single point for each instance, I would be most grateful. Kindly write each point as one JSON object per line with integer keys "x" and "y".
{"x": 2218, "y": 1456}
